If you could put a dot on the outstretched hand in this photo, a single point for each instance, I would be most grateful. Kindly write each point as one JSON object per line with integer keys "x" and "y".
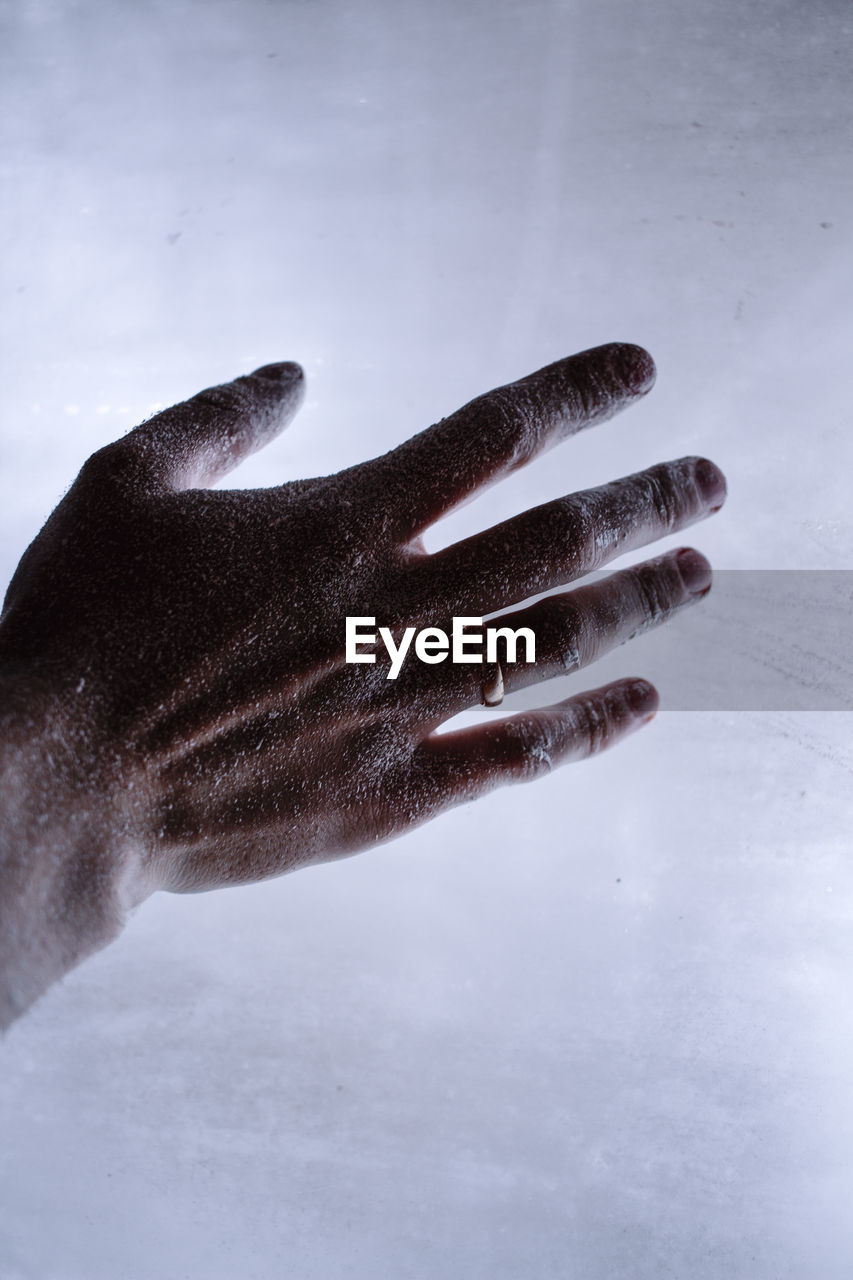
{"x": 177, "y": 709}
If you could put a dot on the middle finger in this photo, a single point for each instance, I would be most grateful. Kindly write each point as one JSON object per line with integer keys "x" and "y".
{"x": 562, "y": 540}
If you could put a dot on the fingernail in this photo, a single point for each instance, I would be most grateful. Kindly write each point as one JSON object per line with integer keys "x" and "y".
{"x": 636, "y": 367}
{"x": 287, "y": 371}
{"x": 694, "y": 570}
{"x": 643, "y": 699}
{"x": 711, "y": 483}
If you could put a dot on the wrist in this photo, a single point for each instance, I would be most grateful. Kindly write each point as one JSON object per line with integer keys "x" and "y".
{"x": 70, "y": 866}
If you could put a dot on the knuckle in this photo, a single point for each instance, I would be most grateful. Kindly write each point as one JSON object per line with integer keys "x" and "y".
{"x": 376, "y": 759}
{"x": 507, "y": 405}
{"x": 528, "y": 749}
{"x": 654, "y": 596}
{"x": 566, "y": 400}
{"x": 230, "y": 400}
{"x": 576, "y": 522}
{"x": 591, "y": 725}
{"x": 510, "y": 416}
{"x": 375, "y": 749}
{"x": 559, "y": 629}
{"x": 565, "y": 394}
{"x": 665, "y": 491}
{"x": 583, "y": 397}
{"x": 110, "y": 465}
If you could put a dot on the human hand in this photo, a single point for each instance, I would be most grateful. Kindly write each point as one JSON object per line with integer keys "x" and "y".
{"x": 172, "y": 657}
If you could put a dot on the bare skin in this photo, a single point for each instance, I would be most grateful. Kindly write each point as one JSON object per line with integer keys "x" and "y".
{"x": 175, "y": 708}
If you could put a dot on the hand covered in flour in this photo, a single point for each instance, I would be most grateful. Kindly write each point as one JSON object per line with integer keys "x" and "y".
{"x": 176, "y": 707}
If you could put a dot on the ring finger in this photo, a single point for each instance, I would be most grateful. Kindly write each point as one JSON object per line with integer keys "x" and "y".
{"x": 571, "y": 630}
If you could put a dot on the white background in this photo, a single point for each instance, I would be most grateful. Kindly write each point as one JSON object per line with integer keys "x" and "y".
{"x": 597, "y": 1028}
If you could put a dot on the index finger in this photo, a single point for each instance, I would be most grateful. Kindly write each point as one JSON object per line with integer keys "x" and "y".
{"x": 505, "y": 428}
